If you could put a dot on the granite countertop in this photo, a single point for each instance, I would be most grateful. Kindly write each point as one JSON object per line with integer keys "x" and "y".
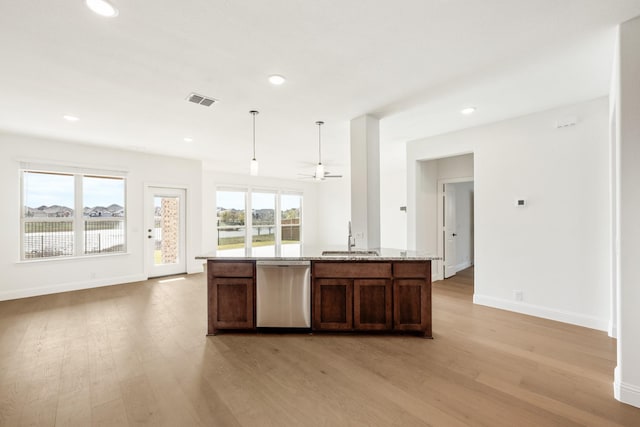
{"x": 315, "y": 254}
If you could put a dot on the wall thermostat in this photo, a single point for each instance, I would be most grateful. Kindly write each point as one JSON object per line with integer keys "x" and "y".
{"x": 521, "y": 203}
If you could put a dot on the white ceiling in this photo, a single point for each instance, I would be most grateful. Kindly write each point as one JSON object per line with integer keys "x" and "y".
{"x": 412, "y": 63}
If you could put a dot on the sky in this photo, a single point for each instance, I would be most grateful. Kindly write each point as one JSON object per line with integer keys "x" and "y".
{"x": 53, "y": 189}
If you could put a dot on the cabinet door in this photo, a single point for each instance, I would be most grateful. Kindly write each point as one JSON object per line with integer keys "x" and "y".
{"x": 412, "y": 305}
{"x": 372, "y": 308}
{"x": 332, "y": 304}
{"x": 230, "y": 303}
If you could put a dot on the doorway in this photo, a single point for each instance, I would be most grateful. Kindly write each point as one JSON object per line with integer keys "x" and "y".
{"x": 165, "y": 231}
{"x": 456, "y": 224}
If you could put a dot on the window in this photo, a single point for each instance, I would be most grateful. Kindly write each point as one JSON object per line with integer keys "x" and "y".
{"x": 68, "y": 214}
{"x": 48, "y": 225}
{"x": 272, "y": 229}
{"x": 231, "y": 223}
{"x": 263, "y": 223}
{"x": 103, "y": 214}
{"x": 290, "y": 222}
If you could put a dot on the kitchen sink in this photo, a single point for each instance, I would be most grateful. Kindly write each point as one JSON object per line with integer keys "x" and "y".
{"x": 351, "y": 253}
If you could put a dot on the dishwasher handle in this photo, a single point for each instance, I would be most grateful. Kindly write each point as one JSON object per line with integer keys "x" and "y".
{"x": 283, "y": 263}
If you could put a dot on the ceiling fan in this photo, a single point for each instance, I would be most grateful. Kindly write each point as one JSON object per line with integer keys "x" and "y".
{"x": 320, "y": 174}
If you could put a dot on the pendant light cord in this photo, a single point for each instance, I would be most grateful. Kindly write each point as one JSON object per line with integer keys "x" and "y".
{"x": 253, "y": 113}
{"x": 319, "y": 142}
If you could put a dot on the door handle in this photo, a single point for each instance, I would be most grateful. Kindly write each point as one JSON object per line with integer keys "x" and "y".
{"x": 454, "y": 234}
{"x": 149, "y": 237}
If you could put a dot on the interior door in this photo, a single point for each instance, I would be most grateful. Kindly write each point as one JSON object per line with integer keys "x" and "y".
{"x": 165, "y": 231}
{"x": 449, "y": 230}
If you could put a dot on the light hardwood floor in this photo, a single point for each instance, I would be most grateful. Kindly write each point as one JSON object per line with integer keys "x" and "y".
{"x": 137, "y": 354}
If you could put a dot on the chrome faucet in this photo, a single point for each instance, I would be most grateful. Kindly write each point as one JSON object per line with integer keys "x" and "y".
{"x": 351, "y": 242}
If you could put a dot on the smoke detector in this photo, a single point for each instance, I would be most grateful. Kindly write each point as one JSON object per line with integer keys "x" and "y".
{"x": 201, "y": 99}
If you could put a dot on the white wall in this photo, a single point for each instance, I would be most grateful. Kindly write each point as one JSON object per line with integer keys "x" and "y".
{"x": 365, "y": 181}
{"x": 627, "y": 374}
{"x": 555, "y": 249}
{"x": 464, "y": 224}
{"x": 311, "y": 210}
{"x": 334, "y": 212}
{"x": 393, "y": 195}
{"x": 20, "y": 279}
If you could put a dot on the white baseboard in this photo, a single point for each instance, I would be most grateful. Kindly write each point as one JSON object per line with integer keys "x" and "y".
{"x": 544, "y": 312}
{"x": 66, "y": 287}
{"x": 613, "y": 329}
{"x": 624, "y": 392}
{"x": 463, "y": 265}
{"x": 195, "y": 268}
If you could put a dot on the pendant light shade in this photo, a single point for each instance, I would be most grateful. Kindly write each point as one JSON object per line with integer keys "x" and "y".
{"x": 319, "y": 175}
{"x": 253, "y": 166}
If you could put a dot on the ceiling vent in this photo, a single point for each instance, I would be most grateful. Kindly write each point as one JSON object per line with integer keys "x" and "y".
{"x": 201, "y": 99}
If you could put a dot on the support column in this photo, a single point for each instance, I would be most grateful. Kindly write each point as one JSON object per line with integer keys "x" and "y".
{"x": 365, "y": 181}
{"x": 627, "y": 373}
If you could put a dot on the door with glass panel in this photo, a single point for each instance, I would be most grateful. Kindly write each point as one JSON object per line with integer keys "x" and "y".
{"x": 165, "y": 231}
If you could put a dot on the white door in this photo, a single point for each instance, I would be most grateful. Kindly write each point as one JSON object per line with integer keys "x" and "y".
{"x": 165, "y": 231}
{"x": 449, "y": 230}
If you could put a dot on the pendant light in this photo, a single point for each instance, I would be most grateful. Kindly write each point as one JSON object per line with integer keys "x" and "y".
{"x": 253, "y": 168}
{"x": 319, "y": 175}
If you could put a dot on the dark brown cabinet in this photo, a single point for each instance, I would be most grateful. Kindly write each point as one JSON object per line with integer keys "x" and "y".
{"x": 360, "y": 295}
{"x": 231, "y": 294}
{"x": 412, "y": 297}
{"x": 332, "y": 304}
{"x": 372, "y": 296}
{"x": 372, "y": 304}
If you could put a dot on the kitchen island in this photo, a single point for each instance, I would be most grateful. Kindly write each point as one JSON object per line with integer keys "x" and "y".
{"x": 381, "y": 290}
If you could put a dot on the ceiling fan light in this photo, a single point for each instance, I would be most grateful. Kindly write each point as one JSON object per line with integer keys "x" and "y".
{"x": 319, "y": 175}
{"x": 253, "y": 167}
{"x": 276, "y": 79}
{"x": 102, "y": 8}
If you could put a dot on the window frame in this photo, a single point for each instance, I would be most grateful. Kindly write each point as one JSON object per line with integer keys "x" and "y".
{"x": 248, "y": 215}
{"x": 78, "y": 219}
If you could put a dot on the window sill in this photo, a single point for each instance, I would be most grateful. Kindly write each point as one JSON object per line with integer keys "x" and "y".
{"x": 71, "y": 258}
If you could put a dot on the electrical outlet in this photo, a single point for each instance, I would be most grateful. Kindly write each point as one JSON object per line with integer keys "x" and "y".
{"x": 518, "y": 295}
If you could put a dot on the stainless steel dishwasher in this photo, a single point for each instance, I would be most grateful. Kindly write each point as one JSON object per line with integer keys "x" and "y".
{"x": 283, "y": 294}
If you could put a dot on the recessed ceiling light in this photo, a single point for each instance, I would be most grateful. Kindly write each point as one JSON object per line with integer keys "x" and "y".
{"x": 276, "y": 79}
{"x": 70, "y": 118}
{"x": 468, "y": 110}
{"x": 187, "y": 139}
{"x": 102, "y": 8}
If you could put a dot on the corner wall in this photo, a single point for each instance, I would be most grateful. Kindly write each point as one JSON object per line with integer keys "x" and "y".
{"x": 23, "y": 279}
{"x": 556, "y": 249}
{"x": 627, "y": 99}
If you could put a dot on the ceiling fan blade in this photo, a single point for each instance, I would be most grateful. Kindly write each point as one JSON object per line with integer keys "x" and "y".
{"x": 328, "y": 174}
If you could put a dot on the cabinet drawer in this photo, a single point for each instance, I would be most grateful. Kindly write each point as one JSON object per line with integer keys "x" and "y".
{"x": 412, "y": 269}
{"x": 348, "y": 270}
{"x": 231, "y": 269}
